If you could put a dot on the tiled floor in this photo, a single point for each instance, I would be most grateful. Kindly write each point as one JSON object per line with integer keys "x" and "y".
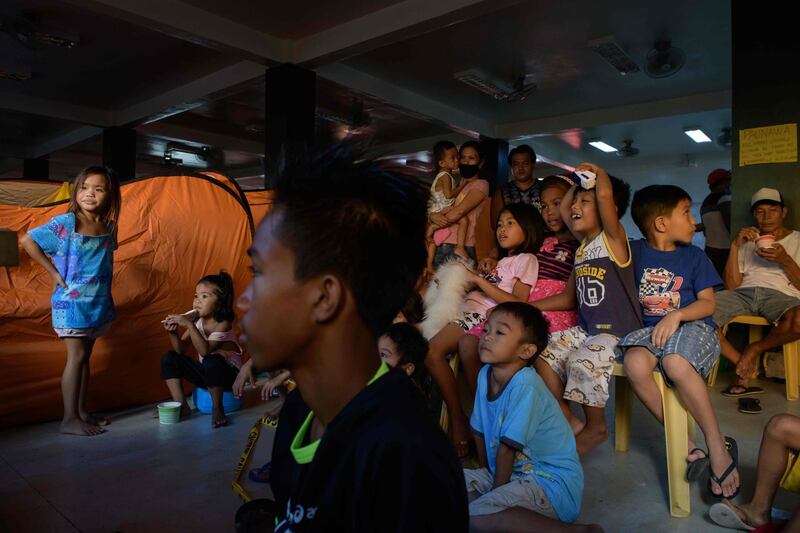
{"x": 142, "y": 476}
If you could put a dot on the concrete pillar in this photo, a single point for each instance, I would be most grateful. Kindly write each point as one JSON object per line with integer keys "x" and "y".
{"x": 766, "y": 92}
{"x": 290, "y": 115}
{"x": 119, "y": 151}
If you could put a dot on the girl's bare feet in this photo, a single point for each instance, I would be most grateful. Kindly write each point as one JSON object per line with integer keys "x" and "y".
{"x": 218, "y": 419}
{"x": 76, "y": 426}
{"x": 95, "y": 420}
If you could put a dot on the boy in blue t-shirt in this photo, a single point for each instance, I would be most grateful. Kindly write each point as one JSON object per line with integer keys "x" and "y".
{"x": 676, "y": 291}
{"x": 530, "y": 475}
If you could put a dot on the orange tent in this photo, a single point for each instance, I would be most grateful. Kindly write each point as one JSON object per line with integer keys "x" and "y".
{"x": 173, "y": 231}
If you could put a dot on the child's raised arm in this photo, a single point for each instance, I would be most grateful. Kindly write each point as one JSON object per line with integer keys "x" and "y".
{"x": 615, "y": 232}
{"x": 35, "y": 252}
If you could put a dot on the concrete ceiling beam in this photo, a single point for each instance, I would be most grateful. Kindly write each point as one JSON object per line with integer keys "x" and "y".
{"x": 386, "y": 26}
{"x": 55, "y": 109}
{"x": 189, "y": 23}
{"x": 612, "y": 115}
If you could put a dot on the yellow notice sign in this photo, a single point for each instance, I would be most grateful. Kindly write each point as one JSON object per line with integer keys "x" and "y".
{"x": 771, "y": 144}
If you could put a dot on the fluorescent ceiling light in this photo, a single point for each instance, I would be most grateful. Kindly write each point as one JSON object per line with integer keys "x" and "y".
{"x": 697, "y": 135}
{"x": 600, "y": 145}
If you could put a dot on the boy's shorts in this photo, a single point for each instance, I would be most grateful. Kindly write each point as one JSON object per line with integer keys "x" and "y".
{"x": 695, "y": 341}
{"x": 583, "y": 364}
{"x": 522, "y": 492}
{"x": 91, "y": 333}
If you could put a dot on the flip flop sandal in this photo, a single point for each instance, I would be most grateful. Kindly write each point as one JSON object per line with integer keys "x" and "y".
{"x": 748, "y": 391}
{"x": 696, "y": 468}
{"x": 733, "y": 451}
{"x": 724, "y": 516}
{"x": 750, "y": 406}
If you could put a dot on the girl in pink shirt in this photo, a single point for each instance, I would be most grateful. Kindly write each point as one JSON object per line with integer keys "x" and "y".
{"x": 519, "y": 235}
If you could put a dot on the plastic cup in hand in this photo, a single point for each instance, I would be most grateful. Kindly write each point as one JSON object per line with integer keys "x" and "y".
{"x": 765, "y": 241}
{"x": 586, "y": 178}
{"x": 169, "y": 412}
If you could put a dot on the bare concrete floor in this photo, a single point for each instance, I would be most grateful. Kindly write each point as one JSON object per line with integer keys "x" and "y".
{"x": 142, "y": 476}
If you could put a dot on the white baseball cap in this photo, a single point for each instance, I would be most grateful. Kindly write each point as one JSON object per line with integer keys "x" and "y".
{"x": 765, "y": 194}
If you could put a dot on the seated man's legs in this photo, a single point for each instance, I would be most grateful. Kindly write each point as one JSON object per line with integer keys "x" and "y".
{"x": 730, "y": 304}
{"x": 781, "y": 436}
{"x": 588, "y": 374}
{"x": 784, "y": 312}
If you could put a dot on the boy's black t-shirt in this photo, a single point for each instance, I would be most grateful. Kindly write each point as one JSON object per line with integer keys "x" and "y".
{"x": 382, "y": 465}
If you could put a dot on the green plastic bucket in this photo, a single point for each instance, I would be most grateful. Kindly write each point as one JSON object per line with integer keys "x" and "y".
{"x": 169, "y": 412}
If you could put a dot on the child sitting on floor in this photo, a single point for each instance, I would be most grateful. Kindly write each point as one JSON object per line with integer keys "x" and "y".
{"x": 530, "y": 476}
{"x": 212, "y": 336}
{"x": 580, "y": 359}
{"x": 676, "y": 290}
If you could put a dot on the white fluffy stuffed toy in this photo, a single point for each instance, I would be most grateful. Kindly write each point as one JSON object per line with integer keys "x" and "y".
{"x": 444, "y": 297}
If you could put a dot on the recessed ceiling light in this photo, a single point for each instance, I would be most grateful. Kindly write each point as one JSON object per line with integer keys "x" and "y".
{"x": 697, "y": 135}
{"x": 600, "y": 145}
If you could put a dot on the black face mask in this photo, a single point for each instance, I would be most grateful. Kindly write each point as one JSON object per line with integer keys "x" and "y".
{"x": 468, "y": 171}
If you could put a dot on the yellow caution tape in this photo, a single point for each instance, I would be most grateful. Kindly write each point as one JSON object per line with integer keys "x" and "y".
{"x": 252, "y": 438}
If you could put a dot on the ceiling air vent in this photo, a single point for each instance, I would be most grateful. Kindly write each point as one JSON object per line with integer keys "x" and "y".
{"x": 612, "y": 53}
{"x": 516, "y": 91}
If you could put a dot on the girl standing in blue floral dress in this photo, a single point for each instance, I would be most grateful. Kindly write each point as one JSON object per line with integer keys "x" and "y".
{"x": 77, "y": 250}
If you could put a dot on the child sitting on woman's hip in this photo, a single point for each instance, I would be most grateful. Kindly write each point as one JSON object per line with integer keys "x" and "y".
{"x": 444, "y": 191}
{"x": 212, "y": 336}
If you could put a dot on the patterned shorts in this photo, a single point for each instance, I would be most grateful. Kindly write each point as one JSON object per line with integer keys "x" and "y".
{"x": 696, "y": 341}
{"x": 583, "y": 363}
{"x": 470, "y": 320}
{"x": 522, "y": 492}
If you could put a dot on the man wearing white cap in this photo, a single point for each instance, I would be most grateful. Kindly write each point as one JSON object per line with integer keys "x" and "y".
{"x": 763, "y": 278}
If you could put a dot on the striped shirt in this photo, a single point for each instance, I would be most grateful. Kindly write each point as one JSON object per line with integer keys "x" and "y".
{"x": 556, "y": 259}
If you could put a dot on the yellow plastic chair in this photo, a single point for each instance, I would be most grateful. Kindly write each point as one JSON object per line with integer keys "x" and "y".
{"x": 678, "y": 428}
{"x": 791, "y": 352}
